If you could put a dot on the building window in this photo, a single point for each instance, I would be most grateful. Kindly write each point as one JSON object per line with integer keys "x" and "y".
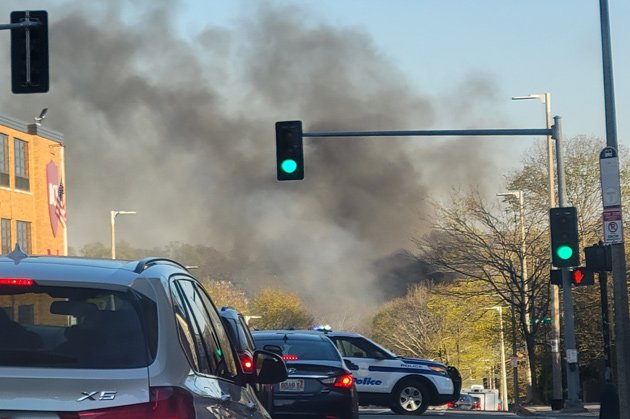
{"x": 21, "y": 164}
{"x": 24, "y": 235}
{"x": 5, "y": 227}
{"x": 26, "y": 314}
{"x": 4, "y": 160}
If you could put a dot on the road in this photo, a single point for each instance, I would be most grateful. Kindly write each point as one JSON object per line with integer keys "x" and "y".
{"x": 376, "y": 413}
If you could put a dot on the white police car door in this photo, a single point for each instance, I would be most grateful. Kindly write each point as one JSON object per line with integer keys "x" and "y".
{"x": 373, "y": 373}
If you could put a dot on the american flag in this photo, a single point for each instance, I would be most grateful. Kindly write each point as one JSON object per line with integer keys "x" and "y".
{"x": 60, "y": 207}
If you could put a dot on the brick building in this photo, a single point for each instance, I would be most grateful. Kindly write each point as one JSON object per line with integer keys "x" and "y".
{"x": 32, "y": 192}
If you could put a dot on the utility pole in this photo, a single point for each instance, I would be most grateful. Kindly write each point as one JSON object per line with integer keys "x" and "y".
{"x": 620, "y": 285}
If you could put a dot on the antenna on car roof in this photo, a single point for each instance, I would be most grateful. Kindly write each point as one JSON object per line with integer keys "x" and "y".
{"x": 17, "y": 254}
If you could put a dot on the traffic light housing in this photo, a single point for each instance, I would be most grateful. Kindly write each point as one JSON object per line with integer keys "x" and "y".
{"x": 29, "y": 52}
{"x": 580, "y": 276}
{"x": 598, "y": 258}
{"x": 565, "y": 240}
{"x": 289, "y": 153}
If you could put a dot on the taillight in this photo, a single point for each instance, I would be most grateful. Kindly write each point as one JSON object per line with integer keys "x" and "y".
{"x": 343, "y": 381}
{"x": 18, "y": 282}
{"x": 247, "y": 363}
{"x": 290, "y": 357}
{"x": 166, "y": 403}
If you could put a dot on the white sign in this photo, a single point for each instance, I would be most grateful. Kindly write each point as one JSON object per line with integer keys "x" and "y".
{"x": 609, "y": 177}
{"x": 572, "y": 356}
{"x": 613, "y": 225}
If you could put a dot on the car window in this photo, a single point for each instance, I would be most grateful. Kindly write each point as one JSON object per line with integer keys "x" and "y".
{"x": 221, "y": 334}
{"x": 184, "y": 322}
{"x": 213, "y": 351}
{"x": 358, "y": 348}
{"x": 245, "y": 333}
{"x": 70, "y": 327}
{"x": 305, "y": 349}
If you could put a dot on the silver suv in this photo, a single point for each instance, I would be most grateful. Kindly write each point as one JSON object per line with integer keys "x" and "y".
{"x": 117, "y": 339}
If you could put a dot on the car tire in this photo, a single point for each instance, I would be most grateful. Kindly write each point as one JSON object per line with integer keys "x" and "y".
{"x": 410, "y": 397}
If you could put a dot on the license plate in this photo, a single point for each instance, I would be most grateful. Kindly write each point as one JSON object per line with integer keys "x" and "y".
{"x": 292, "y": 385}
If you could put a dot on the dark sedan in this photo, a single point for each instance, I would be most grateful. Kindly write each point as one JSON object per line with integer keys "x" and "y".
{"x": 319, "y": 384}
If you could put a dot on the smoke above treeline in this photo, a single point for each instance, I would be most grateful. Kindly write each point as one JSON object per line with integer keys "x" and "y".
{"x": 181, "y": 130}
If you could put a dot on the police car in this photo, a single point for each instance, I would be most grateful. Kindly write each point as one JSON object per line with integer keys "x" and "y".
{"x": 407, "y": 385}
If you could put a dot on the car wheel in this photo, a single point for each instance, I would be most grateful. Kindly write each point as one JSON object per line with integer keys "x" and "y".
{"x": 410, "y": 397}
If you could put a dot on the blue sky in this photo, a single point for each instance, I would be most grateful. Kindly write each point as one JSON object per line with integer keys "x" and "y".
{"x": 520, "y": 47}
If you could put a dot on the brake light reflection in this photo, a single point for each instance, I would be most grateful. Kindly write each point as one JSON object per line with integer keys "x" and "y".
{"x": 18, "y": 282}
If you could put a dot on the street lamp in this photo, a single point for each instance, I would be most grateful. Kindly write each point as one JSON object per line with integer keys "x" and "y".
{"x": 556, "y": 361}
{"x": 113, "y": 215}
{"x": 504, "y": 396}
{"x": 519, "y": 196}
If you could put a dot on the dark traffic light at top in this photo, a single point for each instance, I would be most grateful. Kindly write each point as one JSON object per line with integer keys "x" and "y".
{"x": 289, "y": 153}
{"x": 29, "y": 52}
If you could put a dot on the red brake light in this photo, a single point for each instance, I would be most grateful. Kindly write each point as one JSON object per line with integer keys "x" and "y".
{"x": 345, "y": 381}
{"x": 166, "y": 403}
{"x": 247, "y": 363}
{"x": 18, "y": 282}
{"x": 290, "y": 357}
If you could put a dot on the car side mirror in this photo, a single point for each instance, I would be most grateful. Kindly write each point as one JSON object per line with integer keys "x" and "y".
{"x": 351, "y": 365}
{"x": 270, "y": 368}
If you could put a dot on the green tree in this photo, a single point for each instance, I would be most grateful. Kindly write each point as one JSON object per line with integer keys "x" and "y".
{"x": 280, "y": 309}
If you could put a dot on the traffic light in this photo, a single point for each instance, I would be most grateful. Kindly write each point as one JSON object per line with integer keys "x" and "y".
{"x": 598, "y": 258}
{"x": 580, "y": 276}
{"x": 565, "y": 241}
{"x": 29, "y": 52}
{"x": 289, "y": 153}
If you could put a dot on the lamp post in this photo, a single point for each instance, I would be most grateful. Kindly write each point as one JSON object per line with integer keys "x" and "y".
{"x": 519, "y": 196}
{"x": 556, "y": 359}
{"x": 504, "y": 396}
{"x": 113, "y": 215}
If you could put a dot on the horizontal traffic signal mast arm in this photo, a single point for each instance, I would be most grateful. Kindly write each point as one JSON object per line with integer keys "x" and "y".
{"x": 433, "y": 133}
{"x": 26, "y": 24}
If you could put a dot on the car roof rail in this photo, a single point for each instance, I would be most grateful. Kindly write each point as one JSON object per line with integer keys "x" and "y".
{"x": 145, "y": 263}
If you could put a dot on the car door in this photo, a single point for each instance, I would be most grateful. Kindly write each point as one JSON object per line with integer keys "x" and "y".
{"x": 216, "y": 370}
{"x": 372, "y": 374}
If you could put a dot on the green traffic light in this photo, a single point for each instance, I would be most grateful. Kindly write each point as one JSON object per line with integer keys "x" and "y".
{"x": 288, "y": 166}
{"x": 564, "y": 252}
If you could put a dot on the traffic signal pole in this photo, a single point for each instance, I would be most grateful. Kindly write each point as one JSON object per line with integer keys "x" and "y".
{"x": 572, "y": 371}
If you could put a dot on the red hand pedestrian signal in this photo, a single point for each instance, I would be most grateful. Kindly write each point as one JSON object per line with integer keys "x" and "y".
{"x": 578, "y": 276}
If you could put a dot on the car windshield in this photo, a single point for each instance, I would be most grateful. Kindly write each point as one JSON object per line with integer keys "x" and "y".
{"x": 69, "y": 327}
{"x": 301, "y": 349}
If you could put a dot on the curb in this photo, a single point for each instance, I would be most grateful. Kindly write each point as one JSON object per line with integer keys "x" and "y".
{"x": 523, "y": 411}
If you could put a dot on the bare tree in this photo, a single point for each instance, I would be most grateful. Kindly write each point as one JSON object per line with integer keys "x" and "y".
{"x": 407, "y": 326}
{"x": 478, "y": 241}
